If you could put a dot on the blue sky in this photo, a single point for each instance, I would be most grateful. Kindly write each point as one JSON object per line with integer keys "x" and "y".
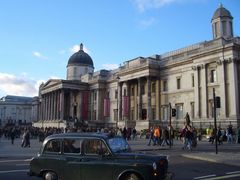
{"x": 37, "y": 37}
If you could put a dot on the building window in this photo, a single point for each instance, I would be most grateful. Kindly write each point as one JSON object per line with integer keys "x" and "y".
{"x": 224, "y": 28}
{"x": 74, "y": 71}
{"x": 108, "y": 94}
{"x": 216, "y": 30}
{"x": 211, "y": 108}
{"x": 153, "y": 87}
{"x": 192, "y": 110}
{"x": 144, "y": 114}
{"x": 116, "y": 93}
{"x": 213, "y": 76}
{"x": 132, "y": 91}
{"x": 164, "y": 85}
{"x": 132, "y": 114}
{"x": 192, "y": 80}
{"x": 153, "y": 113}
{"x": 178, "y": 83}
{"x": 115, "y": 114}
{"x": 86, "y": 70}
{"x": 165, "y": 113}
{"x": 179, "y": 111}
{"x": 231, "y": 29}
{"x": 95, "y": 96}
{"x": 143, "y": 89}
{"x": 125, "y": 92}
{"x": 94, "y": 115}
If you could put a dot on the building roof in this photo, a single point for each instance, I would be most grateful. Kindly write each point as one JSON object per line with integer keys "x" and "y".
{"x": 11, "y": 98}
{"x": 80, "y": 58}
{"x": 222, "y": 12}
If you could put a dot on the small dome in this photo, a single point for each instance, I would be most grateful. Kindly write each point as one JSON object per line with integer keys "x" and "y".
{"x": 222, "y": 12}
{"x": 80, "y": 58}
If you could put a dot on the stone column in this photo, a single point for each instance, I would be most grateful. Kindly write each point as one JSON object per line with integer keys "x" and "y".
{"x": 51, "y": 105}
{"x": 47, "y": 106}
{"x": 120, "y": 101}
{"x": 196, "y": 90}
{"x": 204, "y": 93}
{"x": 158, "y": 91}
{"x": 139, "y": 100}
{"x": 91, "y": 104}
{"x": 62, "y": 104}
{"x": 233, "y": 88}
{"x": 149, "y": 106}
{"x": 99, "y": 104}
{"x": 135, "y": 102}
{"x": 222, "y": 89}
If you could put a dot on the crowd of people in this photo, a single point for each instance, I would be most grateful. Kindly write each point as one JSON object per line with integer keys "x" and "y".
{"x": 156, "y": 135}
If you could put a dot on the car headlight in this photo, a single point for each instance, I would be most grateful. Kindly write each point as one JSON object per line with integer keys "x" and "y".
{"x": 154, "y": 166}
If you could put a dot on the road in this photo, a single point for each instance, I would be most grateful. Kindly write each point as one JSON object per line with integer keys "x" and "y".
{"x": 15, "y": 167}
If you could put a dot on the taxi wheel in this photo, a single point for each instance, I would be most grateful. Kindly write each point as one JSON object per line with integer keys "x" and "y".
{"x": 132, "y": 176}
{"x": 49, "y": 176}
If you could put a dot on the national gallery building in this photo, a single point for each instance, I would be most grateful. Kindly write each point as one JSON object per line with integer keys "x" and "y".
{"x": 141, "y": 92}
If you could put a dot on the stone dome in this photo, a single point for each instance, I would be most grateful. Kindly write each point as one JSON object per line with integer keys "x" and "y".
{"x": 80, "y": 58}
{"x": 222, "y": 12}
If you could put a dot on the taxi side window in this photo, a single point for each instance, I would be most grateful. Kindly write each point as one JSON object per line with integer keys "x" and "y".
{"x": 71, "y": 146}
{"x": 52, "y": 146}
{"x": 94, "y": 147}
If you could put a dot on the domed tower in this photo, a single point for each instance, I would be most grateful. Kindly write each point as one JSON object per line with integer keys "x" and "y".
{"x": 222, "y": 23}
{"x": 80, "y": 63}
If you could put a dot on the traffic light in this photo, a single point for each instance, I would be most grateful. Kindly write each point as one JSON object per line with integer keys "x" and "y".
{"x": 173, "y": 112}
{"x": 217, "y": 102}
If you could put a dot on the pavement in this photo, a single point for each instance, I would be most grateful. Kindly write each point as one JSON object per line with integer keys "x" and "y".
{"x": 227, "y": 153}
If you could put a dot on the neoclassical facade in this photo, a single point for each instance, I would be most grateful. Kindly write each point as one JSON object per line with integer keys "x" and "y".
{"x": 16, "y": 111}
{"x": 139, "y": 93}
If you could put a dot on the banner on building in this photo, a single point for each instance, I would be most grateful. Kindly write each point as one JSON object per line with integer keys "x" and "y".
{"x": 106, "y": 108}
{"x": 85, "y": 95}
{"x": 125, "y": 105}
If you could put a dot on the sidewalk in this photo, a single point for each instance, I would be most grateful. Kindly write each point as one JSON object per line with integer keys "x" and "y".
{"x": 227, "y": 153}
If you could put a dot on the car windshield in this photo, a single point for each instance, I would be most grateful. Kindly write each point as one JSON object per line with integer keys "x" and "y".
{"x": 118, "y": 144}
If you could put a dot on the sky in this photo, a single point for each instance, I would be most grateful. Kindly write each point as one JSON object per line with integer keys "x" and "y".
{"x": 37, "y": 37}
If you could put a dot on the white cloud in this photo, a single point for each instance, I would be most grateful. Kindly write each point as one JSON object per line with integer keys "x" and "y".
{"x": 147, "y": 22}
{"x": 143, "y": 5}
{"x": 76, "y": 48}
{"x": 39, "y": 55}
{"x": 18, "y": 85}
{"x": 110, "y": 66}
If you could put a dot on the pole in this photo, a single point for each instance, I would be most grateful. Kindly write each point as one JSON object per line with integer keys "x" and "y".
{"x": 170, "y": 123}
{"x": 215, "y": 120}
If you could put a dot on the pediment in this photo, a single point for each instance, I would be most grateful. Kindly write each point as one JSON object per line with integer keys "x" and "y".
{"x": 51, "y": 83}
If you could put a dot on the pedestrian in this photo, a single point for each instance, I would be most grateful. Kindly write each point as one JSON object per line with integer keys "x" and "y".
{"x": 12, "y": 134}
{"x": 238, "y": 135}
{"x": 150, "y": 136}
{"x": 188, "y": 137}
{"x": 229, "y": 134}
{"x": 156, "y": 135}
{"x": 165, "y": 136}
{"x": 26, "y": 139}
{"x": 134, "y": 134}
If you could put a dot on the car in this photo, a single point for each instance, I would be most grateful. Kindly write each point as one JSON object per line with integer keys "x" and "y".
{"x": 90, "y": 156}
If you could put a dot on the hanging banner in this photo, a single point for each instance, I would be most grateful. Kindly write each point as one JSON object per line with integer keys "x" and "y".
{"x": 125, "y": 105}
{"x": 85, "y": 104}
{"x": 106, "y": 108}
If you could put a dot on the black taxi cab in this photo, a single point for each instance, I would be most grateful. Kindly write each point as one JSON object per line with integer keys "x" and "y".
{"x": 90, "y": 156}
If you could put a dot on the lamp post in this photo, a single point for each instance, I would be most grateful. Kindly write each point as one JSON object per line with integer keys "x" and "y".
{"x": 118, "y": 78}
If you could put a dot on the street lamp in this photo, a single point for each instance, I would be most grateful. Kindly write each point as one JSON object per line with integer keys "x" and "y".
{"x": 118, "y": 78}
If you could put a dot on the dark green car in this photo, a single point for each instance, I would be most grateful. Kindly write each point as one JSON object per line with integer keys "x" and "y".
{"x": 90, "y": 156}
